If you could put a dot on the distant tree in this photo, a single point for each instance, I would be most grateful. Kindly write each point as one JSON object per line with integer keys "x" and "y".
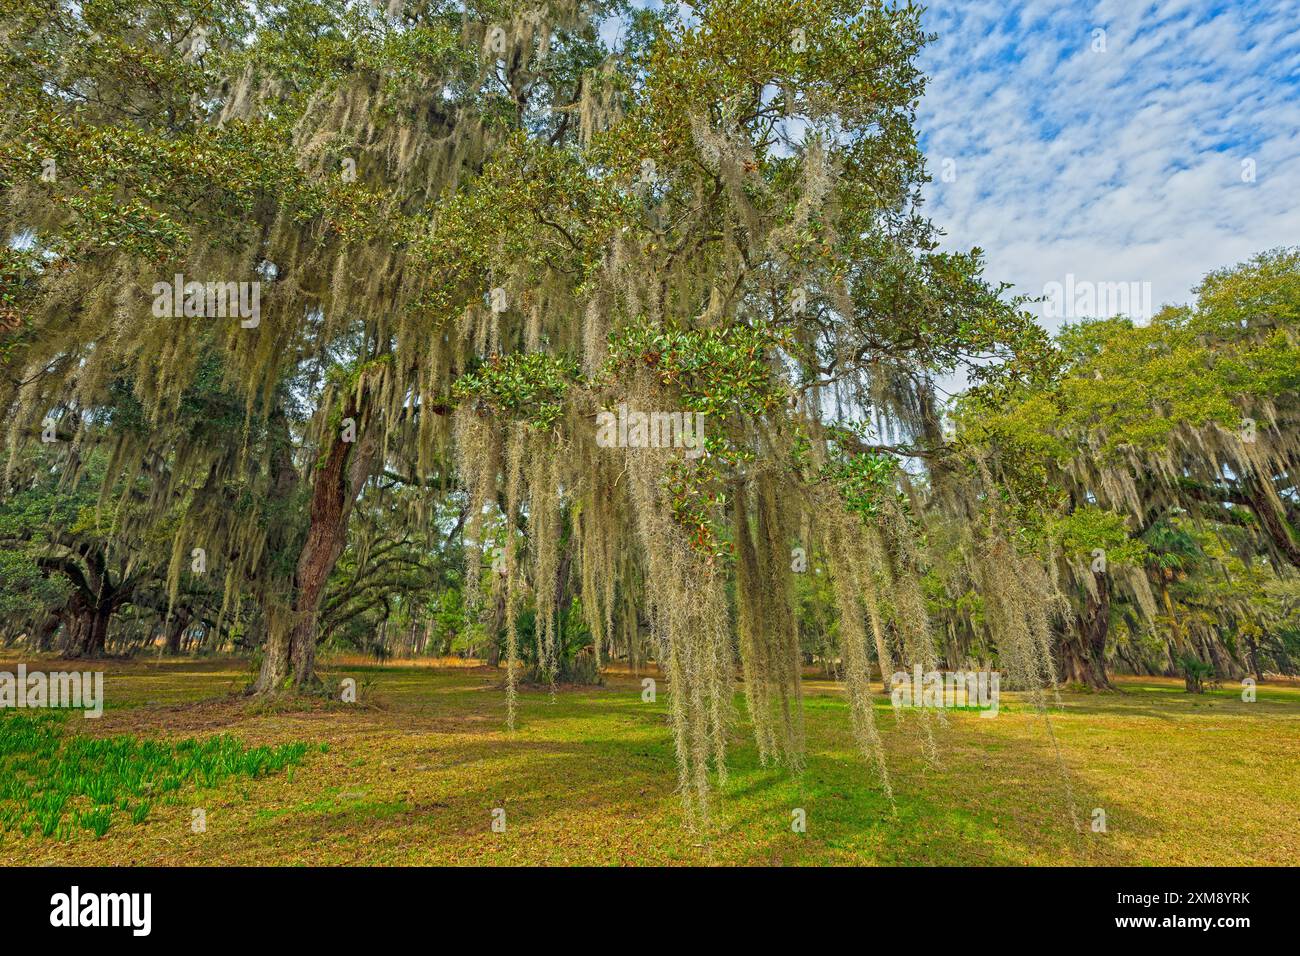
{"x": 1188, "y": 423}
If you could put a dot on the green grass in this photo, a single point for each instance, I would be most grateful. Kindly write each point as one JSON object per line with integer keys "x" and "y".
{"x": 412, "y": 774}
{"x": 46, "y": 774}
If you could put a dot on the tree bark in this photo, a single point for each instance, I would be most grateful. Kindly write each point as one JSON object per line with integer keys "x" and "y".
{"x": 290, "y": 658}
{"x": 92, "y": 631}
{"x": 175, "y": 629}
{"x": 1084, "y": 652}
{"x": 90, "y": 607}
{"x": 76, "y": 616}
{"x": 1273, "y": 521}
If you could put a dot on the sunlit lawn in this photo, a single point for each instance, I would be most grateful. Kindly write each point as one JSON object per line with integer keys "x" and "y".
{"x": 412, "y": 773}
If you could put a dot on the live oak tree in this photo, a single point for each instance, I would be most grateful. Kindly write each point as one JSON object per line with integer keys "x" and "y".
{"x": 74, "y": 555}
{"x": 752, "y": 253}
{"x": 474, "y": 228}
{"x": 1189, "y": 422}
{"x": 302, "y": 152}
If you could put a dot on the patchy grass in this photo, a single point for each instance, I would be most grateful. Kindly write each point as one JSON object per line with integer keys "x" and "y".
{"x": 412, "y": 774}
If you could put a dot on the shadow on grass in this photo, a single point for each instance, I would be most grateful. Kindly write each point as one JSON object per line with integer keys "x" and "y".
{"x": 590, "y": 777}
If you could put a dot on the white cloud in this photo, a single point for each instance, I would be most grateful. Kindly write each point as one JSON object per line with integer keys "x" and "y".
{"x": 1118, "y": 166}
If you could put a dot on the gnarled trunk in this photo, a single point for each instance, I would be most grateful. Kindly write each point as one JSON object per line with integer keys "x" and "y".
{"x": 76, "y": 616}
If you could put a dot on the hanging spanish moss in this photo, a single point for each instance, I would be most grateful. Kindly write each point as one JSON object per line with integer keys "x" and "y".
{"x": 478, "y": 233}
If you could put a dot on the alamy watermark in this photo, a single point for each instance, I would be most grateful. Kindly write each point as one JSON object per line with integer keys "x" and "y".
{"x": 1081, "y": 299}
{"x": 633, "y": 429}
{"x": 70, "y": 689}
{"x": 75, "y": 908}
{"x": 211, "y": 300}
{"x": 978, "y": 689}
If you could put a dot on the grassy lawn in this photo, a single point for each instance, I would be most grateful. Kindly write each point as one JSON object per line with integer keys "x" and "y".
{"x": 412, "y": 773}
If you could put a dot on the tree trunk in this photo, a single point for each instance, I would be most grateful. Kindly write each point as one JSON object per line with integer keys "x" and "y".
{"x": 274, "y": 673}
{"x": 1273, "y": 520}
{"x": 76, "y": 624}
{"x": 175, "y": 629}
{"x": 1252, "y": 656}
{"x": 92, "y": 631}
{"x": 290, "y": 659}
{"x": 1084, "y": 652}
{"x": 498, "y": 622}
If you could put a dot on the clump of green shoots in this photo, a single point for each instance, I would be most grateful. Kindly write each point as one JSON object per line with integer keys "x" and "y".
{"x": 49, "y": 781}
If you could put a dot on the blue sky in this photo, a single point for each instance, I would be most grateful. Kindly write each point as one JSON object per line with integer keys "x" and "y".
{"x": 1120, "y": 161}
{"x": 1115, "y": 158}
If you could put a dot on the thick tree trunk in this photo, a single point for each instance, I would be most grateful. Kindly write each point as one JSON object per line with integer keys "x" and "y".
{"x": 1084, "y": 651}
{"x": 76, "y": 625}
{"x": 99, "y": 631}
{"x": 175, "y": 629}
{"x": 273, "y": 676}
{"x": 91, "y": 634}
{"x": 324, "y": 545}
{"x": 85, "y": 624}
{"x": 290, "y": 658}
